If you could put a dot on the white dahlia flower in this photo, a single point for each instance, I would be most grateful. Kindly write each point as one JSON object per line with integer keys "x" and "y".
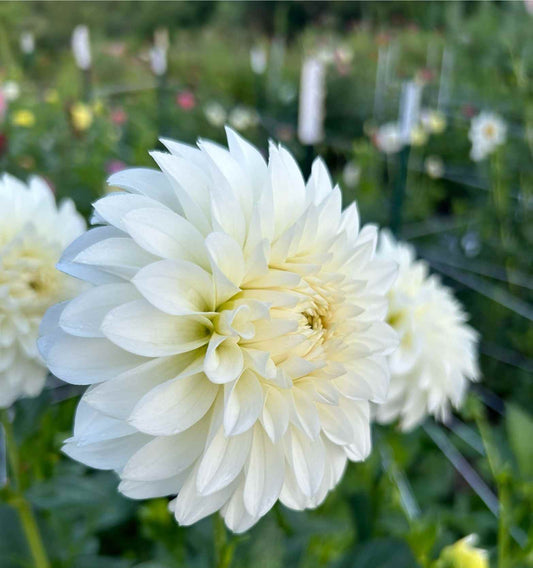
{"x": 487, "y": 131}
{"x": 33, "y": 234}
{"x": 437, "y": 355}
{"x": 233, "y": 336}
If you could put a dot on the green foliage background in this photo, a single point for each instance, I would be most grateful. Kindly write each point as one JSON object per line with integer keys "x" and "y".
{"x": 473, "y": 225}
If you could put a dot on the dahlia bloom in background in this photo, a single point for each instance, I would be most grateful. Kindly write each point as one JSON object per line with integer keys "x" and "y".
{"x": 487, "y": 132}
{"x": 33, "y": 234}
{"x": 437, "y": 355}
{"x": 233, "y": 336}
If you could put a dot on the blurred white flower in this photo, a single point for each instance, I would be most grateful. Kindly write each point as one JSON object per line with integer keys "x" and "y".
{"x": 311, "y": 109}
{"x": 233, "y": 337}
{"x": 437, "y": 355}
{"x": 161, "y": 39}
{"x": 81, "y": 47}
{"x": 215, "y": 114}
{"x": 158, "y": 60}
{"x": 433, "y": 121}
{"x": 242, "y": 118}
{"x": 27, "y": 43}
{"x": 388, "y": 138}
{"x": 11, "y": 90}
{"x": 258, "y": 59}
{"x": 487, "y": 131}
{"x": 434, "y": 167}
{"x": 33, "y": 234}
{"x": 351, "y": 174}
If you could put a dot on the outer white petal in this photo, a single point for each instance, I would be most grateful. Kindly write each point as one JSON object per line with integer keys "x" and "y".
{"x": 264, "y": 474}
{"x": 166, "y": 234}
{"x": 83, "y": 316}
{"x": 222, "y": 461}
{"x": 176, "y": 287}
{"x": 142, "y": 329}
{"x": 174, "y": 406}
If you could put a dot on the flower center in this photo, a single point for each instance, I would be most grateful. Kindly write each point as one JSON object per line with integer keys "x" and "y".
{"x": 489, "y": 131}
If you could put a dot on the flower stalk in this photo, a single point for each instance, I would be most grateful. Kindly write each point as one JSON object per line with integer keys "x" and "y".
{"x": 17, "y": 500}
{"x": 224, "y": 547}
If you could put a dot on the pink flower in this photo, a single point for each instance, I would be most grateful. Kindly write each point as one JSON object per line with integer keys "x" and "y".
{"x": 186, "y": 100}
{"x": 114, "y": 166}
{"x": 118, "y": 116}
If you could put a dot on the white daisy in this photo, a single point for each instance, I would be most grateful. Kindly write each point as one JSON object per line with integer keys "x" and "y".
{"x": 33, "y": 234}
{"x": 437, "y": 355}
{"x": 487, "y": 131}
{"x": 233, "y": 337}
{"x": 388, "y": 138}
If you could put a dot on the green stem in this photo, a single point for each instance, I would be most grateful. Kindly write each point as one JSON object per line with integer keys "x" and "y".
{"x": 224, "y": 547}
{"x": 19, "y": 502}
{"x": 398, "y": 192}
{"x": 501, "y": 484}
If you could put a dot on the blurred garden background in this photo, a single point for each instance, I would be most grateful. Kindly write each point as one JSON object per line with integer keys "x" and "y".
{"x": 183, "y": 70}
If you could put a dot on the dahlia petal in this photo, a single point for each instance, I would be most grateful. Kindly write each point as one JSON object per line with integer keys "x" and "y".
{"x": 368, "y": 378}
{"x": 319, "y": 184}
{"x": 288, "y": 188}
{"x": 112, "y": 208}
{"x": 190, "y": 184}
{"x": 145, "y": 181}
{"x": 335, "y": 424}
{"x": 232, "y": 173}
{"x": 91, "y": 274}
{"x": 190, "y": 506}
{"x": 250, "y": 159}
{"x": 92, "y": 426}
{"x": 119, "y": 256}
{"x": 307, "y": 459}
{"x": 166, "y": 456}
{"x": 107, "y": 454}
{"x": 151, "y": 489}
{"x": 224, "y": 360}
{"x": 176, "y": 287}
{"x": 140, "y": 328}
{"x": 83, "y": 316}
{"x": 174, "y": 406}
{"x": 359, "y": 413}
{"x": 264, "y": 475}
{"x": 50, "y": 321}
{"x": 83, "y": 361}
{"x": 291, "y": 495}
{"x": 118, "y": 396}
{"x": 275, "y": 416}
{"x": 222, "y": 461}
{"x": 304, "y": 413}
{"x": 234, "y": 512}
{"x": 226, "y": 254}
{"x": 243, "y": 403}
{"x": 167, "y": 235}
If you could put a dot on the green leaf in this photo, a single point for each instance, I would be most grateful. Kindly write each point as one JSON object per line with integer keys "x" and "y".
{"x": 384, "y": 553}
{"x": 520, "y": 431}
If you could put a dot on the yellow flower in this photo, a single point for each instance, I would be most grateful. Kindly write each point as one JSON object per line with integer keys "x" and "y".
{"x": 463, "y": 554}
{"x": 433, "y": 121}
{"x": 82, "y": 116}
{"x": 24, "y": 118}
{"x": 51, "y": 96}
{"x": 418, "y": 136}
